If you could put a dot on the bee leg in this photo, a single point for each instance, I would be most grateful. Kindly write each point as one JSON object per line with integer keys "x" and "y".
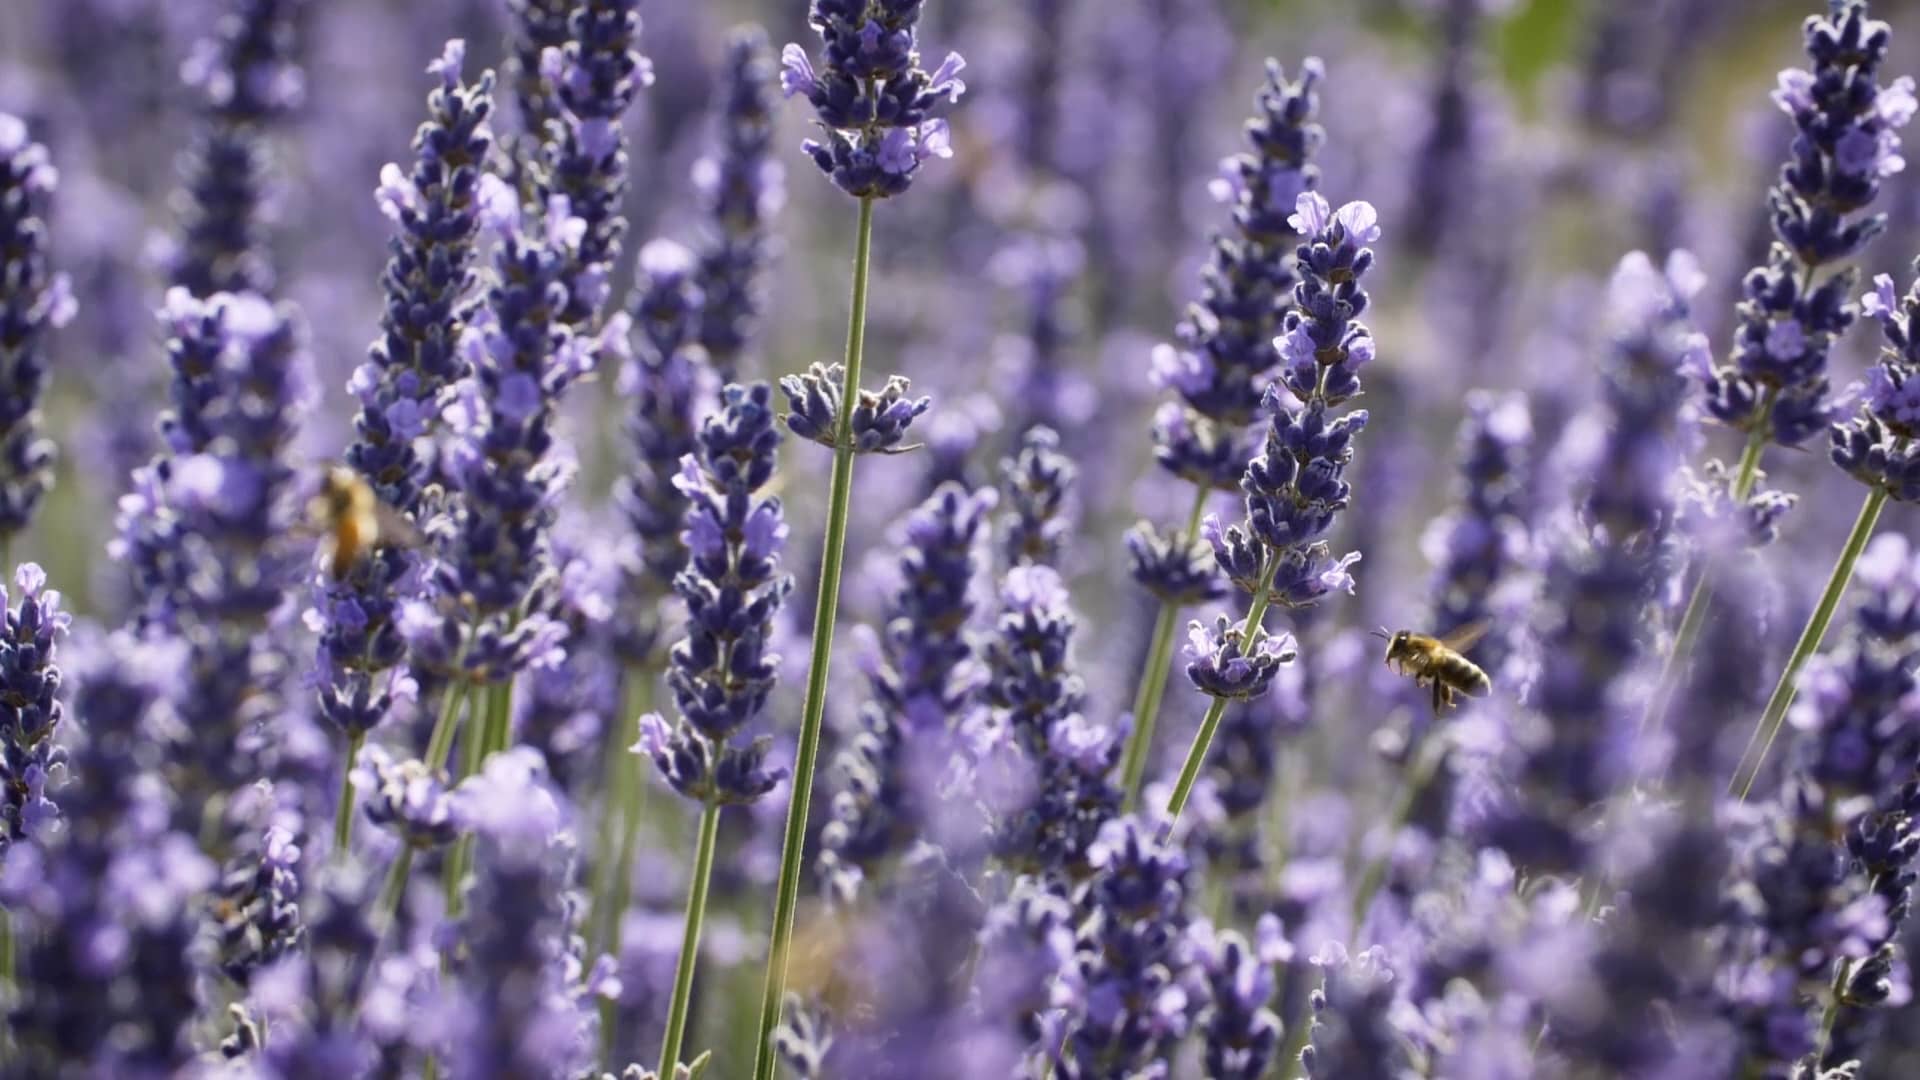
{"x": 1439, "y": 696}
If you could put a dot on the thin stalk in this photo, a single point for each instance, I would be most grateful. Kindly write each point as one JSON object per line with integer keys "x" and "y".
{"x": 826, "y": 607}
{"x": 1153, "y": 680}
{"x": 690, "y": 940}
{"x": 1203, "y": 739}
{"x": 619, "y": 772}
{"x": 1426, "y": 763}
{"x": 343, "y": 815}
{"x": 633, "y": 813}
{"x": 473, "y": 754}
{"x": 1769, "y": 727}
{"x": 1701, "y": 596}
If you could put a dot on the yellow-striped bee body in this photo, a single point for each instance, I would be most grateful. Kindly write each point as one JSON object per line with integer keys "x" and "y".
{"x": 1439, "y": 662}
{"x": 353, "y": 521}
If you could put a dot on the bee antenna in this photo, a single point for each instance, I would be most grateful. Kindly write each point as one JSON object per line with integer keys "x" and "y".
{"x": 1381, "y": 633}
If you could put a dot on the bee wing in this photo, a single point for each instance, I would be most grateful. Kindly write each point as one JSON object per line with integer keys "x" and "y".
{"x": 1467, "y": 636}
{"x": 396, "y": 530}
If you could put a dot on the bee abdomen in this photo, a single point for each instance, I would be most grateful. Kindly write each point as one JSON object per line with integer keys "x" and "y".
{"x": 1466, "y": 677}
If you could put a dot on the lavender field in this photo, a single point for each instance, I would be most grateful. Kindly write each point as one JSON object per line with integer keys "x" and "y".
{"x": 959, "y": 539}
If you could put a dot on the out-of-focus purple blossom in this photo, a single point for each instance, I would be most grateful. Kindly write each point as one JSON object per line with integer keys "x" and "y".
{"x": 1597, "y": 585}
{"x": 520, "y": 1003}
{"x": 1178, "y": 569}
{"x": 1846, "y": 143}
{"x": 250, "y": 79}
{"x": 1242, "y": 1033}
{"x": 104, "y": 908}
{"x": 741, "y": 189}
{"x": 1226, "y": 347}
{"x": 429, "y": 281}
{"x": 1486, "y": 536}
{"x": 1046, "y": 775}
{"x": 1020, "y": 939}
{"x": 405, "y": 796}
{"x": 1123, "y": 985}
{"x": 925, "y": 686}
{"x": 1038, "y": 482}
{"x": 594, "y": 78}
{"x": 1048, "y": 391}
{"x": 538, "y": 26}
{"x": 494, "y": 549}
{"x": 669, "y": 384}
{"x": 878, "y": 110}
{"x": 1881, "y": 446}
{"x": 1823, "y": 891}
{"x": 33, "y": 300}
{"x": 257, "y": 906}
{"x": 722, "y": 671}
{"x": 313, "y": 995}
{"x": 207, "y": 529}
{"x": 1353, "y": 1032}
{"x": 880, "y": 420}
{"x": 31, "y": 764}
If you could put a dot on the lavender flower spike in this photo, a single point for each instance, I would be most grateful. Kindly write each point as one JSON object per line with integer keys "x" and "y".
{"x": 878, "y": 110}
{"x": 721, "y": 672}
{"x": 31, "y": 765}
{"x": 1881, "y": 446}
{"x": 741, "y": 188}
{"x": 880, "y": 420}
{"x": 1775, "y": 383}
{"x": 595, "y": 76}
{"x": 430, "y": 284}
{"x": 33, "y": 300}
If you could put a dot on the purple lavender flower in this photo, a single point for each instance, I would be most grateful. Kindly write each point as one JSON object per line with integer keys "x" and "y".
{"x": 1224, "y": 665}
{"x": 924, "y": 686}
{"x": 1044, "y": 269}
{"x": 33, "y": 300}
{"x": 599, "y": 71}
{"x": 1846, "y": 143}
{"x": 741, "y": 188}
{"x": 1123, "y": 984}
{"x": 538, "y": 25}
{"x": 429, "y": 282}
{"x": 1824, "y": 891}
{"x": 722, "y": 671}
{"x": 1242, "y": 1033}
{"x": 1881, "y": 446}
{"x": 104, "y": 908}
{"x": 669, "y": 384}
{"x": 1353, "y": 1031}
{"x": 520, "y": 1004}
{"x": 257, "y": 906}
{"x": 1038, "y": 482}
{"x": 250, "y": 79}
{"x": 316, "y": 993}
{"x": 878, "y": 110}
{"x": 30, "y": 709}
{"x": 1597, "y": 585}
{"x": 880, "y": 420}
{"x": 1226, "y": 346}
{"x": 1485, "y": 538}
{"x": 405, "y": 796}
{"x": 1046, "y": 776}
{"x": 495, "y": 554}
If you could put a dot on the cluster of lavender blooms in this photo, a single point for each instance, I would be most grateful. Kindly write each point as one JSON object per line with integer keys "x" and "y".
{"x": 560, "y": 587}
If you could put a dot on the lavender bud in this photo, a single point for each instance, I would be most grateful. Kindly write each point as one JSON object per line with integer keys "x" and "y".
{"x": 880, "y": 421}
{"x": 741, "y": 188}
{"x": 405, "y": 796}
{"x": 33, "y": 300}
{"x": 1038, "y": 483}
{"x": 1881, "y": 446}
{"x": 878, "y": 110}
{"x": 1223, "y": 666}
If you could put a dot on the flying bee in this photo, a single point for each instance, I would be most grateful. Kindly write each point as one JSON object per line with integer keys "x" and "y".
{"x": 353, "y": 521}
{"x": 1438, "y": 661}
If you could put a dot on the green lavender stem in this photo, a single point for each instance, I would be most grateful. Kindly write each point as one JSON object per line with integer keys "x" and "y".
{"x": 1701, "y": 597}
{"x": 1426, "y": 764}
{"x": 633, "y": 812}
{"x": 1764, "y": 733}
{"x": 1153, "y": 680}
{"x": 1203, "y": 739}
{"x": 343, "y": 815}
{"x": 826, "y": 608}
{"x": 690, "y": 940}
{"x": 439, "y": 744}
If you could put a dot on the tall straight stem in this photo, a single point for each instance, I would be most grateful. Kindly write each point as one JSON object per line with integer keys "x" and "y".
{"x": 690, "y": 940}
{"x": 1202, "y": 739}
{"x": 1701, "y": 597}
{"x": 473, "y": 754}
{"x": 1769, "y": 727}
{"x": 343, "y": 814}
{"x": 826, "y": 608}
{"x": 1153, "y": 680}
{"x": 439, "y": 743}
{"x": 632, "y": 812}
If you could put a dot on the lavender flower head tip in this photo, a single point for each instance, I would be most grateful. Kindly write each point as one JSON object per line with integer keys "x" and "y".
{"x": 1312, "y": 214}
{"x": 452, "y": 57}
